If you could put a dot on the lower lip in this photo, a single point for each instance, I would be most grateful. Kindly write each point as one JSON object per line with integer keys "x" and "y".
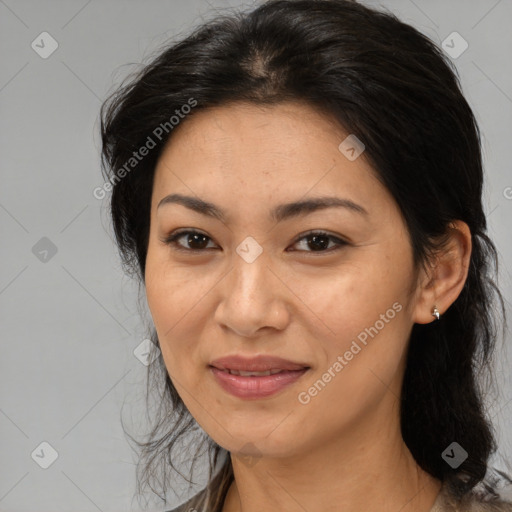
{"x": 256, "y": 387}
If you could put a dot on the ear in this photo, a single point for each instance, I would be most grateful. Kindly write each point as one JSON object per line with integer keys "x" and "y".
{"x": 443, "y": 283}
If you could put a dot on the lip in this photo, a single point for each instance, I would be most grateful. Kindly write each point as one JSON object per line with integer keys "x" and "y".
{"x": 260, "y": 363}
{"x": 256, "y": 387}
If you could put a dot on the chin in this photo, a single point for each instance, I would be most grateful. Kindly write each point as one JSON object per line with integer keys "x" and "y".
{"x": 260, "y": 443}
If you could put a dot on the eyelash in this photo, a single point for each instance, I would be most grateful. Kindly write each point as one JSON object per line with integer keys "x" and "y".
{"x": 171, "y": 240}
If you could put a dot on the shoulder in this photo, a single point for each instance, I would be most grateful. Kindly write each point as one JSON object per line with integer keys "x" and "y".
{"x": 494, "y": 494}
{"x": 194, "y": 504}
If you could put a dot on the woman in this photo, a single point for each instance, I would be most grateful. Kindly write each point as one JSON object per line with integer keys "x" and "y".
{"x": 299, "y": 191}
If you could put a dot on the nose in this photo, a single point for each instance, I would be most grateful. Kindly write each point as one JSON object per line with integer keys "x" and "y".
{"x": 253, "y": 299}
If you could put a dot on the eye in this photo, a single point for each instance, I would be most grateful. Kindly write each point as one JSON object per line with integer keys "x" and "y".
{"x": 318, "y": 241}
{"x": 195, "y": 241}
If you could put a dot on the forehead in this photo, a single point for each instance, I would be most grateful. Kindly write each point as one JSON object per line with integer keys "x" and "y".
{"x": 235, "y": 128}
{"x": 266, "y": 153}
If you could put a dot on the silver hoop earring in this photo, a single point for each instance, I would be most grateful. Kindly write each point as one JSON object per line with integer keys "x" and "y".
{"x": 436, "y": 313}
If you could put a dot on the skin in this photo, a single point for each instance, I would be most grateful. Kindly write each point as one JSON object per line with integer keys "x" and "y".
{"x": 343, "y": 450}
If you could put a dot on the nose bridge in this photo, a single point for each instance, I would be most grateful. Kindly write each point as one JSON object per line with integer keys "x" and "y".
{"x": 249, "y": 281}
{"x": 250, "y": 297}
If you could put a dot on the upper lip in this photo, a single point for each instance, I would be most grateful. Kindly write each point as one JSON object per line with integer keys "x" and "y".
{"x": 260, "y": 363}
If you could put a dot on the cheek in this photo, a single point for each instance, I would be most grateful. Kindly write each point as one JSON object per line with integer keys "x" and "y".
{"x": 362, "y": 366}
{"x": 360, "y": 314}
{"x": 168, "y": 303}
{"x": 349, "y": 298}
{"x": 172, "y": 292}
{"x": 177, "y": 296}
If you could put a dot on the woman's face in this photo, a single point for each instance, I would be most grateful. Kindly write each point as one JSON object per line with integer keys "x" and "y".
{"x": 259, "y": 284}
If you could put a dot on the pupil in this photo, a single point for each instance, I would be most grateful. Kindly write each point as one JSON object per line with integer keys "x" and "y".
{"x": 194, "y": 239}
{"x": 318, "y": 245}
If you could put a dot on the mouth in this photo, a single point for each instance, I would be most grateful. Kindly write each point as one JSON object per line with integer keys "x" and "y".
{"x": 242, "y": 373}
{"x": 262, "y": 365}
{"x": 250, "y": 385}
{"x": 257, "y": 377}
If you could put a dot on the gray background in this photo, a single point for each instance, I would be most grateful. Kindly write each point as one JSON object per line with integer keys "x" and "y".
{"x": 69, "y": 320}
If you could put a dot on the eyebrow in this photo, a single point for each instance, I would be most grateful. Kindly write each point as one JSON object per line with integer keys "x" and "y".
{"x": 278, "y": 214}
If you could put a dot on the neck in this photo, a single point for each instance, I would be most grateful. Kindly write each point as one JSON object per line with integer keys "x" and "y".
{"x": 370, "y": 468}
